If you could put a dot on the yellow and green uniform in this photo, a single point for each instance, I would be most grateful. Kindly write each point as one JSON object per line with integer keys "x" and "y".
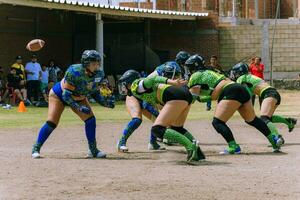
{"x": 154, "y": 94}
{"x": 207, "y": 80}
{"x": 251, "y": 82}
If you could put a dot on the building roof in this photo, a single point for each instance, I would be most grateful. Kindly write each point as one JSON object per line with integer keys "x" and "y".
{"x": 91, "y": 6}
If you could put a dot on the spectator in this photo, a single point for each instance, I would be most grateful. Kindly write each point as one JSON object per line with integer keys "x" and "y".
{"x": 106, "y": 92}
{"x": 213, "y": 65}
{"x": 54, "y": 71}
{"x": 13, "y": 83}
{"x": 34, "y": 73}
{"x": 256, "y": 68}
{"x": 44, "y": 82}
{"x": 19, "y": 67}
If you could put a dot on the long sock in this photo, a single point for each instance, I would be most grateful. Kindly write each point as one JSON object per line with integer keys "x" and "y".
{"x": 280, "y": 119}
{"x": 45, "y": 132}
{"x": 183, "y": 131}
{"x": 272, "y": 128}
{"x": 130, "y": 128}
{"x": 90, "y": 132}
{"x": 153, "y": 139}
{"x": 173, "y": 135}
{"x": 260, "y": 125}
{"x": 90, "y": 129}
{"x": 222, "y": 128}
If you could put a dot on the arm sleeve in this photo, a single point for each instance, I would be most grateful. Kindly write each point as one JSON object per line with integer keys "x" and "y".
{"x": 149, "y": 82}
{"x": 67, "y": 94}
{"x": 67, "y": 97}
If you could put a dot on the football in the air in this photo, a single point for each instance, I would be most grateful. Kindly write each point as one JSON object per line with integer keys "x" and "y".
{"x": 35, "y": 45}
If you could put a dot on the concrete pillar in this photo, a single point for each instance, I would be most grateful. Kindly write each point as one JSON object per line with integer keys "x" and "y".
{"x": 233, "y": 8}
{"x": 99, "y": 37}
{"x": 247, "y": 9}
{"x": 265, "y": 50}
{"x": 256, "y": 9}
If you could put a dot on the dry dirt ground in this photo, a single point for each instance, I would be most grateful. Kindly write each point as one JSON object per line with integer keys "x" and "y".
{"x": 63, "y": 173}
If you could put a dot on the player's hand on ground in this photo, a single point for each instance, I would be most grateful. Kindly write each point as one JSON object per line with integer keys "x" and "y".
{"x": 177, "y": 82}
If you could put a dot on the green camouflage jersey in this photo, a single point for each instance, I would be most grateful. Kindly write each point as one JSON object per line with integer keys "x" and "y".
{"x": 152, "y": 94}
{"x": 251, "y": 82}
{"x": 207, "y": 80}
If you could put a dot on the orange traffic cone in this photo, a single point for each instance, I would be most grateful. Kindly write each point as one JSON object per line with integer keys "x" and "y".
{"x": 22, "y": 107}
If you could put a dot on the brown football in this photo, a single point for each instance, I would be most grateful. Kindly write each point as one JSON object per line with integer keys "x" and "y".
{"x": 35, "y": 45}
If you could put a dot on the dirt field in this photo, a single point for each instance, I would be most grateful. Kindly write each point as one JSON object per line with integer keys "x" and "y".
{"x": 63, "y": 173}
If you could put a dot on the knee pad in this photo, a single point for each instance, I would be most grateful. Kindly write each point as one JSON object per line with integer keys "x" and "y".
{"x": 90, "y": 122}
{"x": 218, "y": 125}
{"x": 158, "y": 131}
{"x": 265, "y": 118}
{"x": 135, "y": 123}
{"x": 51, "y": 124}
{"x": 179, "y": 129}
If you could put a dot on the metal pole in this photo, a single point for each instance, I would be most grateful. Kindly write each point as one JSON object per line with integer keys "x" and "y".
{"x": 271, "y": 54}
{"x": 99, "y": 37}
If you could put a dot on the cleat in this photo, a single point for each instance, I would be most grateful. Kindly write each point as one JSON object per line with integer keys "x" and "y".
{"x": 99, "y": 154}
{"x": 155, "y": 146}
{"x": 292, "y": 122}
{"x": 122, "y": 146}
{"x": 232, "y": 149}
{"x": 196, "y": 154}
{"x": 35, "y": 153}
{"x": 276, "y": 141}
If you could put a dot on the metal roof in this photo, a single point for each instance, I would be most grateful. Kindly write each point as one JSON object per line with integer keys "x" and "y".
{"x": 140, "y": 10}
{"x": 105, "y": 9}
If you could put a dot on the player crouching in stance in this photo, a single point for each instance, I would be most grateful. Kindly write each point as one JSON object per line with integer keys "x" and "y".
{"x": 269, "y": 96}
{"x": 79, "y": 81}
{"x": 176, "y": 104}
{"x": 206, "y": 85}
{"x": 137, "y": 108}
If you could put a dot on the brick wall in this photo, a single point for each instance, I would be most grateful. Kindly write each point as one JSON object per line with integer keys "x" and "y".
{"x": 147, "y": 5}
{"x": 239, "y": 42}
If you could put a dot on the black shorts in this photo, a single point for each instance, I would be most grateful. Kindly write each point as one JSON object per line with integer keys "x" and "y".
{"x": 177, "y": 93}
{"x": 235, "y": 92}
{"x": 270, "y": 92}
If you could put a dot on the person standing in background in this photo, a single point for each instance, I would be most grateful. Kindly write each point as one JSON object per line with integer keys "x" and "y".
{"x": 34, "y": 74}
{"x": 213, "y": 65}
{"x": 256, "y": 68}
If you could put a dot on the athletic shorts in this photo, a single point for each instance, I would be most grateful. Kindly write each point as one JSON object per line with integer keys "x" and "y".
{"x": 177, "y": 93}
{"x": 235, "y": 92}
{"x": 270, "y": 92}
{"x": 58, "y": 91}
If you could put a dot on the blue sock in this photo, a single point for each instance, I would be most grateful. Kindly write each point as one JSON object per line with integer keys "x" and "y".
{"x": 130, "y": 128}
{"x": 90, "y": 129}
{"x": 152, "y": 138}
{"x": 45, "y": 131}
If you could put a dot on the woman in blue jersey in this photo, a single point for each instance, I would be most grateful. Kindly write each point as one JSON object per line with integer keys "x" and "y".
{"x": 79, "y": 81}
